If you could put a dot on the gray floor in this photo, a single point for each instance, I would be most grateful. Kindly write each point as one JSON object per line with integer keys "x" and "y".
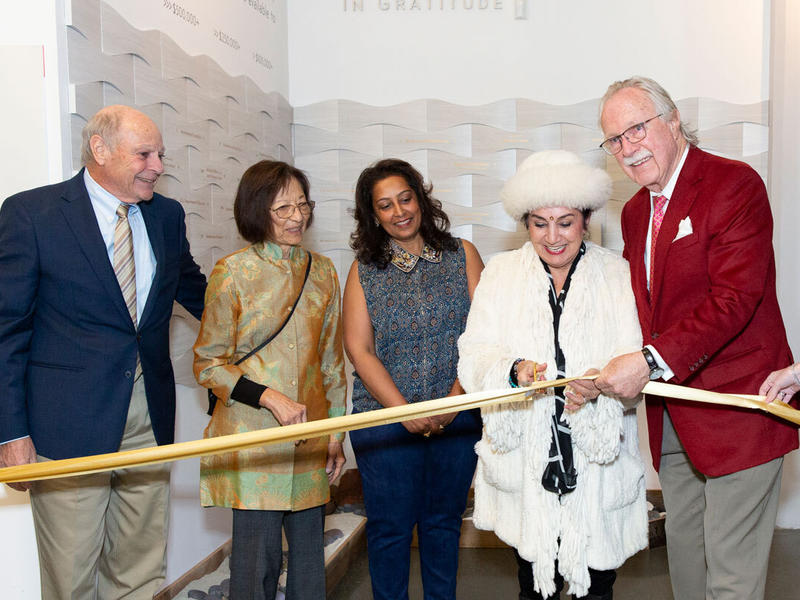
{"x": 491, "y": 573}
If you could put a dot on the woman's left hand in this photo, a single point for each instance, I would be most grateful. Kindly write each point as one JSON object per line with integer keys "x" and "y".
{"x": 781, "y": 384}
{"x": 580, "y": 391}
{"x": 335, "y": 462}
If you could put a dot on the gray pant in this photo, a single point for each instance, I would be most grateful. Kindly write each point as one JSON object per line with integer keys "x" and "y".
{"x": 719, "y": 529}
{"x": 257, "y": 551}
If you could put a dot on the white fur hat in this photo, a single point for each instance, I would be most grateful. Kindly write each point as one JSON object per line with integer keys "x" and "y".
{"x": 555, "y": 178}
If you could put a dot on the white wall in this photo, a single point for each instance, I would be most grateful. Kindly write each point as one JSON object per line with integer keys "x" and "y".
{"x": 784, "y": 194}
{"x": 563, "y": 53}
{"x": 33, "y": 154}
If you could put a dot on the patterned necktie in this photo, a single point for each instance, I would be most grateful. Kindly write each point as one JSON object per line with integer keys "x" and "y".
{"x": 124, "y": 265}
{"x": 659, "y": 202}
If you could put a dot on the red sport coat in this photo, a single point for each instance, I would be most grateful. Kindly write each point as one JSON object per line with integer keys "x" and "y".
{"x": 714, "y": 314}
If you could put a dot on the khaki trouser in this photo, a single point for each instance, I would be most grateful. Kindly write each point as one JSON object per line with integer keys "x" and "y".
{"x": 103, "y": 536}
{"x": 719, "y": 529}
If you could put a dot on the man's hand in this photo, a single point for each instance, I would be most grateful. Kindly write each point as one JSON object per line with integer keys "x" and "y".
{"x": 18, "y": 452}
{"x": 624, "y": 376}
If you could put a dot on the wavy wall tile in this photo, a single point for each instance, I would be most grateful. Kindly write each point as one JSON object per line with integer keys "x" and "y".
{"x": 400, "y": 140}
{"x": 218, "y": 84}
{"x": 119, "y": 37}
{"x": 331, "y": 216}
{"x": 736, "y": 139}
{"x": 532, "y": 114}
{"x": 322, "y": 115}
{"x": 443, "y": 115}
{"x": 87, "y": 98}
{"x": 411, "y": 115}
{"x": 453, "y": 190}
{"x": 311, "y": 140}
{"x": 177, "y": 64}
{"x": 490, "y": 242}
{"x": 88, "y": 64}
{"x": 150, "y": 88}
{"x": 488, "y": 215}
{"x": 323, "y": 190}
{"x": 334, "y": 165}
{"x": 84, "y": 16}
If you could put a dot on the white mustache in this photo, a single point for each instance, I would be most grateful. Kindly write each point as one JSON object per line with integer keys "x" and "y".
{"x": 640, "y": 155}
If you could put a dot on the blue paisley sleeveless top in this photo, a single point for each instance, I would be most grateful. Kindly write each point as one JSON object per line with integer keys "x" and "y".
{"x": 418, "y": 308}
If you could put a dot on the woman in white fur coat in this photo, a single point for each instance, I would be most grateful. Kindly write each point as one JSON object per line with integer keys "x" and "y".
{"x": 559, "y": 477}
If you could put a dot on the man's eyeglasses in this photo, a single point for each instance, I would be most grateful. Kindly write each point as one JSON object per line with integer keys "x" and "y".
{"x": 634, "y": 133}
{"x": 287, "y": 210}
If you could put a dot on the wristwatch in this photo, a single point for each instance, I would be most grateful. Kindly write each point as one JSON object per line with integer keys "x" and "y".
{"x": 655, "y": 371}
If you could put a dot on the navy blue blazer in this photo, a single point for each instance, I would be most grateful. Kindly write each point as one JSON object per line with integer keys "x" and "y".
{"x": 67, "y": 343}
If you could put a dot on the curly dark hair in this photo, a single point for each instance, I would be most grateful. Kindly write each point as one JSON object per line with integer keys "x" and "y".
{"x": 258, "y": 188}
{"x": 369, "y": 240}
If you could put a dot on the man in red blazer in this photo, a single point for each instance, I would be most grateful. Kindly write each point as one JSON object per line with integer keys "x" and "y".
{"x": 698, "y": 237}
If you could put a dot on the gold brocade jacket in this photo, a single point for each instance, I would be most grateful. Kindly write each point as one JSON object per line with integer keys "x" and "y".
{"x": 249, "y": 294}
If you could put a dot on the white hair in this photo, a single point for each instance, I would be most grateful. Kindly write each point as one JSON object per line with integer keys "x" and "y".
{"x": 658, "y": 95}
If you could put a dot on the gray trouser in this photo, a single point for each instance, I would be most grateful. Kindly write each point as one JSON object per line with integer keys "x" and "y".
{"x": 719, "y": 529}
{"x": 257, "y": 551}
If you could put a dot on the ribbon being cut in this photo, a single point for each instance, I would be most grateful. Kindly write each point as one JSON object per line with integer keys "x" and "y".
{"x": 230, "y": 443}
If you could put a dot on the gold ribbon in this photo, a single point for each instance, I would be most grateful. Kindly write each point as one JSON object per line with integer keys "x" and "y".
{"x": 240, "y": 441}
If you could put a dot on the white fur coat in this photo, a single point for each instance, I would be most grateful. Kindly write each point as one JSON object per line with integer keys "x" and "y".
{"x": 604, "y": 521}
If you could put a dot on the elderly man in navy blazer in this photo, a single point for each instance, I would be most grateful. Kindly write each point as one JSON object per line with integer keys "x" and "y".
{"x": 89, "y": 271}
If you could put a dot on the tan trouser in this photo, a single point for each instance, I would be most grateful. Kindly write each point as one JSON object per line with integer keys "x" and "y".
{"x": 103, "y": 536}
{"x": 719, "y": 529}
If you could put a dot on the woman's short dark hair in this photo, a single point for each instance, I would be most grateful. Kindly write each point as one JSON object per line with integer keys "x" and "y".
{"x": 369, "y": 240}
{"x": 258, "y": 188}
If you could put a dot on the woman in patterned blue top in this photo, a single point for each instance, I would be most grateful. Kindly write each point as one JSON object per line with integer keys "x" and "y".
{"x": 405, "y": 305}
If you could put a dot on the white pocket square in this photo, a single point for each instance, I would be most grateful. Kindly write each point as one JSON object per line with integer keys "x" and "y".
{"x": 684, "y": 229}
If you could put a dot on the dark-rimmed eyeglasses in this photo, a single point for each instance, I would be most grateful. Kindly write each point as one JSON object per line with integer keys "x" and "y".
{"x": 634, "y": 133}
{"x": 287, "y": 210}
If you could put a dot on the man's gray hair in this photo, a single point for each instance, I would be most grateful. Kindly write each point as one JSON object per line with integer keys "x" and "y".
{"x": 104, "y": 123}
{"x": 660, "y": 98}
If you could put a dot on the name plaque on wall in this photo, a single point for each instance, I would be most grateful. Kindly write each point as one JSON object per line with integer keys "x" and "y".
{"x": 520, "y": 7}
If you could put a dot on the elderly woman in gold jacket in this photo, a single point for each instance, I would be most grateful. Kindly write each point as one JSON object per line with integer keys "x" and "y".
{"x": 298, "y": 376}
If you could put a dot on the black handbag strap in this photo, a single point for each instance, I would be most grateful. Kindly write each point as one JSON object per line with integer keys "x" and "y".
{"x": 212, "y": 399}
{"x": 289, "y": 316}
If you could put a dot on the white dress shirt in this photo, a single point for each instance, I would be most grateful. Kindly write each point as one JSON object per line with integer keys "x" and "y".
{"x": 105, "y": 204}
